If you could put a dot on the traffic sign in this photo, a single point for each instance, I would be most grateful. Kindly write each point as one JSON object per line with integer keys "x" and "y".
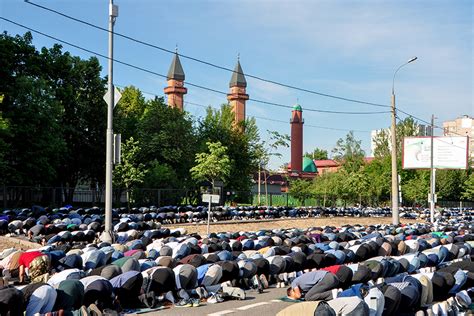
{"x": 117, "y": 96}
{"x": 213, "y": 198}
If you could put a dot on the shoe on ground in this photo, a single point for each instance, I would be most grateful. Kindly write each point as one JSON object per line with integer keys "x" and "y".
{"x": 233, "y": 292}
{"x": 263, "y": 281}
{"x": 254, "y": 282}
{"x": 195, "y": 302}
{"x": 184, "y": 303}
{"x": 201, "y": 292}
{"x": 219, "y": 298}
{"x": 212, "y": 299}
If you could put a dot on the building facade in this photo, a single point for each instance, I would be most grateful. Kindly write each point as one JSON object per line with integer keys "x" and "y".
{"x": 462, "y": 126}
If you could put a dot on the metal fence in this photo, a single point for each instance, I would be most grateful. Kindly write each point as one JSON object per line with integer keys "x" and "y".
{"x": 16, "y": 197}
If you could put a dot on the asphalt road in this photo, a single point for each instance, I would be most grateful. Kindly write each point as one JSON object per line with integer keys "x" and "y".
{"x": 265, "y": 304}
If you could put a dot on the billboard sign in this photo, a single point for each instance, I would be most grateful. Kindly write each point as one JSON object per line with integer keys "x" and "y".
{"x": 449, "y": 152}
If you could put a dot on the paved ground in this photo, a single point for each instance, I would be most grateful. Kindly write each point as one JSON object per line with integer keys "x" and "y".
{"x": 235, "y": 226}
{"x": 19, "y": 243}
{"x": 265, "y": 304}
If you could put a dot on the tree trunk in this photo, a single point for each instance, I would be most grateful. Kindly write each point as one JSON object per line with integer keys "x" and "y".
{"x": 128, "y": 198}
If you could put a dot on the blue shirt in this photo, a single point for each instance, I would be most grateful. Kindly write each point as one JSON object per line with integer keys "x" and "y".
{"x": 306, "y": 281}
{"x": 202, "y": 270}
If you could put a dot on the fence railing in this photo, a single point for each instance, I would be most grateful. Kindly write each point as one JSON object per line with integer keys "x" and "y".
{"x": 16, "y": 197}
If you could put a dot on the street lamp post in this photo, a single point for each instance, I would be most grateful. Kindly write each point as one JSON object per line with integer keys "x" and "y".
{"x": 108, "y": 234}
{"x": 395, "y": 216}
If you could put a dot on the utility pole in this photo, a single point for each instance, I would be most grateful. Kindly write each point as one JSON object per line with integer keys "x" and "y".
{"x": 432, "y": 173}
{"x": 393, "y": 128}
{"x": 209, "y": 215}
{"x": 108, "y": 233}
{"x": 259, "y": 181}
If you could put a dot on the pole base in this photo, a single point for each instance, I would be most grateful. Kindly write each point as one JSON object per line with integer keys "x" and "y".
{"x": 106, "y": 237}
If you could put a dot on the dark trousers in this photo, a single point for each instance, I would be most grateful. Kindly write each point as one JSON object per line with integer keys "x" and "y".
{"x": 322, "y": 291}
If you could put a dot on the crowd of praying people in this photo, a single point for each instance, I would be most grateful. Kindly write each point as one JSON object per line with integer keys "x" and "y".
{"x": 408, "y": 269}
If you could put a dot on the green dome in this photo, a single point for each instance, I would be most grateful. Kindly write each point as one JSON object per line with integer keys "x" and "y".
{"x": 297, "y": 107}
{"x": 308, "y": 165}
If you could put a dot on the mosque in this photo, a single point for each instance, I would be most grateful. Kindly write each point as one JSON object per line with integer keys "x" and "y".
{"x": 299, "y": 167}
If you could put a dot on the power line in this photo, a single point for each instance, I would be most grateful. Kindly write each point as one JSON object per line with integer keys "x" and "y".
{"x": 188, "y": 83}
{"x": 257, "y": 117}
{"x": 426, "y": 122}
{"x": 206, "y": 62}
{"x": 400, "y": 120}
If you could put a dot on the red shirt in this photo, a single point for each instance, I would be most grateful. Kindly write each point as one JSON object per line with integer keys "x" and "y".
{"x": 27, "y": 257}
{"x": 332, "y": 269}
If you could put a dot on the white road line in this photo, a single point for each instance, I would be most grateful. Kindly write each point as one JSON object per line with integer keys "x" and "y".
{"x": 276, "y": 301}
{"x": 227, "y": 311}
{"x": 252, "y": 306}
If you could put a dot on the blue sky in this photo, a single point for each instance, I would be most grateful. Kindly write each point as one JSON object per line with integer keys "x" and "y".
{"x": 345, "y": 48}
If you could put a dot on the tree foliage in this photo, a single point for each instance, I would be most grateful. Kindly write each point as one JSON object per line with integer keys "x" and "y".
{"x": 129, "y": 112}
{"x": 317, "y": 154}
{"x": 213, "y": 165}
{"x": 349, "y": 153}
{"x": 450, "y": 184}
{"x": 167, "y": 138}
{"x": 407, "y": 127}
{"x": 243, "y": 146}
{"x": 55, "y": 115}
{"x": 301, "y": 190}
{"x": 130, "y": 172}
{"x": 468, "y": 193}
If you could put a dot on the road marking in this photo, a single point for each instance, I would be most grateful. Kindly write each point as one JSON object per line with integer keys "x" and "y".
{"x": 252, "y": 306}
{"x": 276, "y": 301}
{"x": 227, "y": 311}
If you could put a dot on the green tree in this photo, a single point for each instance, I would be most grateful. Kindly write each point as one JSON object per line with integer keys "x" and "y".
{"x": 317, "y": 154}
{"x": 349, "y": 153}
{"x": 468, "y": 193}
{"x": 378, "y": 175}
{"x": 79, "y": 88}
{"x": 167, "y": 139}
{"x": 129, "y": 112}
{"x": 243, "y": 147}
{"x": 213, "y": 165}
{"x": 55, "y": 113}
{"x": 301, "y": 190}
{"x": 30, "y": 140}
{"x": 329, "y": 186}
{"x": 416, "y": 189}
{"x": 356, "y": 186}
{"x": 407, "y": 127}
{"x": 130, "y": 172}
{"x": 449, "y": 184}
{"x": 4, "y": 132}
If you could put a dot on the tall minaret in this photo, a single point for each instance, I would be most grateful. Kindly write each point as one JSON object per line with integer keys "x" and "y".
{"x": 237, "y": 95}
{"x": 175, "y": 89}
{"x": 296, "y": 123}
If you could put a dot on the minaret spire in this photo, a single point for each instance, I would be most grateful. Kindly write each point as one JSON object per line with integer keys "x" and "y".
{"x": 296, "y": 124}
{"x": 237, "y": 95}
{"x": 175, "y": 89}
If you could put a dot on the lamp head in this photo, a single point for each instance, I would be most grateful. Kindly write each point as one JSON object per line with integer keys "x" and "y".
{"x": 412, "y": 59}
